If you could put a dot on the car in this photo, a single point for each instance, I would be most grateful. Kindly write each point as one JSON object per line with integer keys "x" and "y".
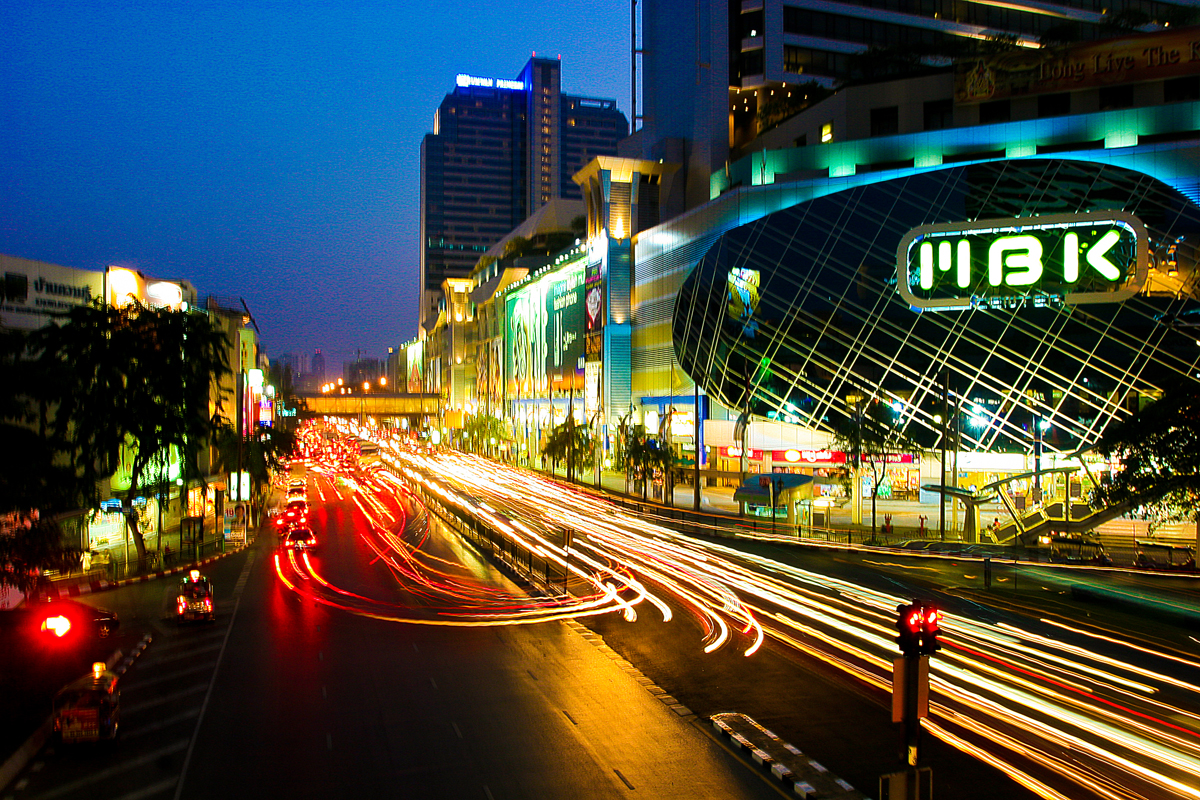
{"x": 295, "y": 514}
{"x": 66, "y": 619}
{"x": 195, "y": 599}
{"x": 300, "y": 539}
{"x": 88, "y": 709}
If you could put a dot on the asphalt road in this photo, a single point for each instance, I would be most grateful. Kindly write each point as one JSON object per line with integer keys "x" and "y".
{"x": 286, "y": 697}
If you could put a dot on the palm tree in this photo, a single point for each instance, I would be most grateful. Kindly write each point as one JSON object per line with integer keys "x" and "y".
{"x": 568, "y": 442}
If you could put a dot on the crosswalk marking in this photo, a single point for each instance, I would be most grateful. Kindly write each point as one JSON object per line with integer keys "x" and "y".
{"x": 133, "y": 708}
{"x": 117, "y": 769}
{"x": 166, "y": 722}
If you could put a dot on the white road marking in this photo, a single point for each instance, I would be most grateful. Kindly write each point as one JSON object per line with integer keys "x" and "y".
{"x": 149, "y": 791}
{"x": 142, "y": 730}
{"x": 134, "y": 708}
{"x": 187, "y": 760}
{"x": 117, "y": 769}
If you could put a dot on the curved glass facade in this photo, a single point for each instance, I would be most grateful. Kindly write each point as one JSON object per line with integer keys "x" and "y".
{"x": 798, "y": 313}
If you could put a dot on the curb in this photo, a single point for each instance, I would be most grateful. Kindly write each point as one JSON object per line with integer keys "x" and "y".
{"x": 94, "y": 587}
{"x": 17, "y": 762}
{"x": 785, "y": 762}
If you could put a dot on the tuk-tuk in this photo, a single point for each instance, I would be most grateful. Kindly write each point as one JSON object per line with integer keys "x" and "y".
{"x": 1083, "y": 550}
{"x": 1164, "y": 555}
{"x": 88, "y": 709}
{"x": 195, "y": 600}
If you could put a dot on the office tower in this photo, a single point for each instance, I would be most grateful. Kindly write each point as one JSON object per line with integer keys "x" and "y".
{"x": 318, "y": 366}
{"x": 499, "y": 150}
{"x": 715, "y": 72}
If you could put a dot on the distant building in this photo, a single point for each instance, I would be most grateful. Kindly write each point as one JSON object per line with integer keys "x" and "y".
{"x": 501, "y": 149}
{"x": 367, "y": 370}
{"x": 318, "y": 367}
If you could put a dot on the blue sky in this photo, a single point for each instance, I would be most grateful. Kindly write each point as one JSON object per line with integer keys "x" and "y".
{"x": 263, "y": 150}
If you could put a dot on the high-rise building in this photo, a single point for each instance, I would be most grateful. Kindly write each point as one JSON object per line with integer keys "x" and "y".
{"x": 499, "y": 150}
{"x": 716, "y": 73}
{"x": 318, "y": 367}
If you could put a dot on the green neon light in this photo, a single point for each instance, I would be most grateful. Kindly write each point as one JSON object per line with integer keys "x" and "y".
{"x": 1054, "y": 259}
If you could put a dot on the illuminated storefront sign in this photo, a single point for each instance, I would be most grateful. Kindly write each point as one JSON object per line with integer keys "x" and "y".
{"x": 811, "y": 456}
{"x": 1008, "y": 263}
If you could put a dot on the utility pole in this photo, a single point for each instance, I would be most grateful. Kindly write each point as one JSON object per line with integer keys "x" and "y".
{"x": 696, "y": 444}
{"x": 945, "y": 428}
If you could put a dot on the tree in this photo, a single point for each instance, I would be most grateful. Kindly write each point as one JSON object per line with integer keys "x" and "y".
{"x": 137, "y": 379}
{"x": 480, "y": 429}
{"x": 261, "y": 452}
{"x": 1159, "y": 452}
{"x": 568, "y": 442}
{"x": 870, "y": 434}
{"x": 644, "y": 457}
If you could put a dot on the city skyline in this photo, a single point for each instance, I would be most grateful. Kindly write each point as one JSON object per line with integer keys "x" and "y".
{"x": 262, "y": 155}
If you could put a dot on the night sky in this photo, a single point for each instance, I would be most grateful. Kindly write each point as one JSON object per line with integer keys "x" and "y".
{"x": 262, "y": 150}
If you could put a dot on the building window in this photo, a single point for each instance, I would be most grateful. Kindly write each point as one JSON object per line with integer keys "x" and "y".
{"x": 1177, "y": 90}
{"x": 827, "y": 133}
{"x": 752, "y": 63}
{"x": 995, "y": 111}
{"x": 1054, "y": 105}
{"x": 1116, "y": 97}
{"x": 885, "y": 121}
{"x": 939, "y": 114}
{"x": 800, "y": 141}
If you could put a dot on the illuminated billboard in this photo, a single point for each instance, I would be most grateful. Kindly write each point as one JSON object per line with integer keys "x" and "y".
{"x": 742, "y": 299}
{"x": 1008, "y": 263}
{"x": 546, "y": 333}
{"x": 414, "y": 357}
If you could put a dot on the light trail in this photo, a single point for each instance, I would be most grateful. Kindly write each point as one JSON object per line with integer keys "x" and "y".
{"x": 1062, "y": 710}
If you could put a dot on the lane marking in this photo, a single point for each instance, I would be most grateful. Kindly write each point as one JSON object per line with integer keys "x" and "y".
{"x": 624, "y": 780}
{"x": 149, "y": 791}
{"x": 134, "y": 708}
{"x": 166, "y": 722}
{"x": 142, "y": 684}
{"x": 328, "y": 741}
{"x": 433, "y": 683}
{"x": 204, "y": 706}
{"x": 124, "y": 766}
{"x": 456, "y": 730}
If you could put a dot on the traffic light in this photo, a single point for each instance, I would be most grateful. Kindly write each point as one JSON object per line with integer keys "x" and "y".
{"x": 918, "y": 626}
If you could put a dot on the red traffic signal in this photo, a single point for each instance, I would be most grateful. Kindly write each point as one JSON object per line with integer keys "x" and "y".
{"x": 918, "y": 626}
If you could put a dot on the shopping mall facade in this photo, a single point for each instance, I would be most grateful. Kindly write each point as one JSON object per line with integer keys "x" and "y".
{"x": 1007, "y": 290}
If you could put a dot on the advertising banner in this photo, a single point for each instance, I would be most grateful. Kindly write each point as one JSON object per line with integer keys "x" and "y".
{"x": 415, "y": 371}
{"x": 546, "y": 333}
{"x": 1129, "y": 59}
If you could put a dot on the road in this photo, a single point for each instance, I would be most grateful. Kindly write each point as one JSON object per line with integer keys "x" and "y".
{"x": 290, "y": 696}
{"x": 1065, "y": 709}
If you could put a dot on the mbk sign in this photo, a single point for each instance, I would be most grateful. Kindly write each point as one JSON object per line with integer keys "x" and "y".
{"x": 1042, "y": 261}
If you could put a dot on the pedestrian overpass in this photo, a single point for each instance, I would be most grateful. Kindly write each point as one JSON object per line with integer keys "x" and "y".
{"x": 372, "y": 404}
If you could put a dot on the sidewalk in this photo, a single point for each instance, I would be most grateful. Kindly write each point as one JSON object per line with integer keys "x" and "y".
{"x": 718, "y": 508}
